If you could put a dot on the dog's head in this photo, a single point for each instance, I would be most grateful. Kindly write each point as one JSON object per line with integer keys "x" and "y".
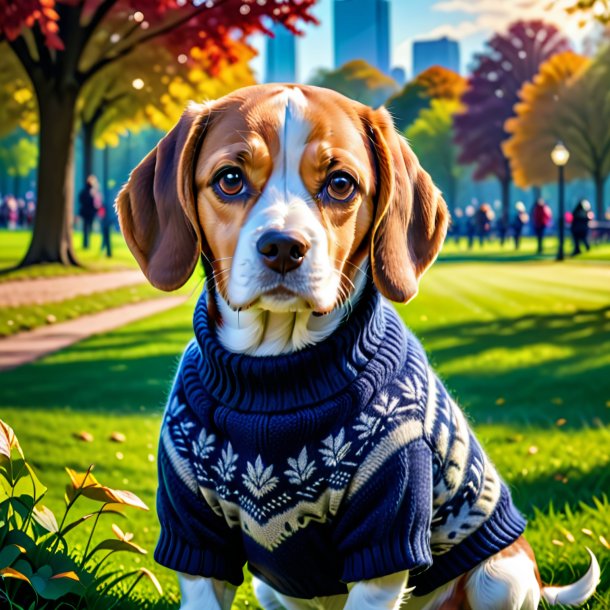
{"x": 286, "y": 190}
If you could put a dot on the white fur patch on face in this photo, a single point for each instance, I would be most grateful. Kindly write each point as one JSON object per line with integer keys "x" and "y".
{"x": 285, "y": 205}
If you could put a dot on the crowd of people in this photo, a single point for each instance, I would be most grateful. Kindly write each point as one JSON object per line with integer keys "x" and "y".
{"x": 476, "y": 222}
{"x": 480, "y": 223}
{"x": 19, "y": 213}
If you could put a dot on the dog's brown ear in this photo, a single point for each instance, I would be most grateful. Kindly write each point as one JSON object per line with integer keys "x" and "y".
{"x": 157, "y": 209}
{"x": 411, "y": 216}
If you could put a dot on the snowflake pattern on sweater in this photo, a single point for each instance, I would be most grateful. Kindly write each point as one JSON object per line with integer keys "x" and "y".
{"x": 378, "y": 475}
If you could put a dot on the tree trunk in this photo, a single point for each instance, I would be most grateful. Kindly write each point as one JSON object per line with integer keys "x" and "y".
{"x": 600, "y": 183}
{"x": 505, "y": 186}
{"x": 17, "y": 187}
{"x": 52, "y": 235}
{"x": 88, "y": 152}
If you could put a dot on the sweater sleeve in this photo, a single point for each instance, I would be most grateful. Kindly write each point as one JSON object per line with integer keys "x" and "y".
{"x": 384, "y": 526}
{"x": 194, "y": 538}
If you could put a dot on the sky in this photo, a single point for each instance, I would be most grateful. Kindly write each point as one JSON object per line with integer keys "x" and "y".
{"x": 471, "y": 22}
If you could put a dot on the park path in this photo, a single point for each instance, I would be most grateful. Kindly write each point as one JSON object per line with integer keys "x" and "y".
{"x": 54, "y": 289}
{"x": 29, "y": 346}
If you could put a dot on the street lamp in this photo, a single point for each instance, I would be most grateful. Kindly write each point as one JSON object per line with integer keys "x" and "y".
{"x": 560, "y": 156}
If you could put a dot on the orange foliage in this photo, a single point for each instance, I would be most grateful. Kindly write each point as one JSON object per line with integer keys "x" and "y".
{"x": 442, "y": 83}
{"x": 549, "y": 108}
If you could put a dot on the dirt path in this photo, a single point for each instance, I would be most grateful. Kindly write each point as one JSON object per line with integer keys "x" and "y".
{"x": 26, "y": 347}
{"x": 54, "y": 289}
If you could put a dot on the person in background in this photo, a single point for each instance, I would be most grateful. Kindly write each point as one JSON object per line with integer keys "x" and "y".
{"x": 483, "y": 218}
{"x": 519, "y": 221}
{"x": 106, "y": 219}
{"x": 471, "y": 226}
{"x": 541, "y": 219}
{"x": 581, "y": 215}
{"x": 89, "y": 200}
{"x": 455, "y": 228}
{"x": 12, "y": 212}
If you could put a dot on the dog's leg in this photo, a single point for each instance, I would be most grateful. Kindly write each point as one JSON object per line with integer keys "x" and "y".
{"x": 199, "y": 593}
{"x": 265, "y": 595}
{"x": 503, "y": 582}
{"x": 385, "y": 593}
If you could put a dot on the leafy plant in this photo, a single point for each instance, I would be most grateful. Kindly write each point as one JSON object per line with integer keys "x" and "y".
{"x": 38, "y": 569}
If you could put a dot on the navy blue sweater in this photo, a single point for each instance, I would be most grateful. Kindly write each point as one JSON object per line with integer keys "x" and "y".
{"x": 345, "y": 461}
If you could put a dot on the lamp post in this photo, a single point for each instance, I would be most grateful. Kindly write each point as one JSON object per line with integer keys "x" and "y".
{"x": 560, "y": 156}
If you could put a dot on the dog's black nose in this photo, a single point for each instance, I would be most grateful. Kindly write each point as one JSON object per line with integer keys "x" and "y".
{"x": 281, "y": 251}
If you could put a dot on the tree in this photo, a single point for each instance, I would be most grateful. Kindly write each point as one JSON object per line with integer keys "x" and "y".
{"x": 359, "y": 81}
{"x": 64, "y": 44}
{"x": 568, "y": 102}
{"x": 510, "y": 60}
{"x": 435, "y": 82}
{"x": 431, "y": 137}
{"x": 589, "y": 9}
{"x": 112, "y": 104}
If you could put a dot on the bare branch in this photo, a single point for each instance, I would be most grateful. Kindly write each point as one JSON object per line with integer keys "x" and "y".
{"x": 102, "y": 10}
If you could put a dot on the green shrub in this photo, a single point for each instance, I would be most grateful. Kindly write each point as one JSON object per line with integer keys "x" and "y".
{"x": 38, "y": 569}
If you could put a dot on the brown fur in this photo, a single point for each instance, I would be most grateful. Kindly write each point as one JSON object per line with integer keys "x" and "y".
{"x": 169, "y": 213}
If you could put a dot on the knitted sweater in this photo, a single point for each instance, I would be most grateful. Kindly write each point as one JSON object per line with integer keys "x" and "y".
{"x": 341, "y": 462}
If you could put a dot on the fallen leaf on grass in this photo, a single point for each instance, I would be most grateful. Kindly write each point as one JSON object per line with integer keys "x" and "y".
{"x": 557, "y": 542}
{"x": 84, "y": 436}
{"x": 118, "y": 437}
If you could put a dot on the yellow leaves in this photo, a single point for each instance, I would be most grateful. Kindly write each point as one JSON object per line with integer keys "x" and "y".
{"x": 551, "y": 108}
{"x": 86, "y": 484}
{"x": 126, "y": 539}
{"x": 8, "y": 440}
{"x": 12, "y": 573}
{"x": 71, "y": 575}
{"x": 153, "y": 579}
{"x": 23, "y": 95}
{"x": 44, "y": 516}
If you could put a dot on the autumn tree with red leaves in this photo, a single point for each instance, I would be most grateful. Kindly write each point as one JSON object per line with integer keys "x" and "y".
{"x": 64, "y": 45}
{"x": 510, "y": 60}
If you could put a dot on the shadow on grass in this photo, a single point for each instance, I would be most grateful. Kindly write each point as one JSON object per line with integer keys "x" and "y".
{"x": 566, "y": 486}
{"x": 537, "y": 367}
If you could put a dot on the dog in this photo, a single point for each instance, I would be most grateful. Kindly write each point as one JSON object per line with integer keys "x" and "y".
{"x": 305, "y": 432}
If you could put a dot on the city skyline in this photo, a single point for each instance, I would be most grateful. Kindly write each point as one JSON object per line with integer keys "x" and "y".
{"x": 469, "y": 22}
{"x": 362, "y": 31}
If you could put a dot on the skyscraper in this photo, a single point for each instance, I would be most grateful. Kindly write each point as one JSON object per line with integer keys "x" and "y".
{"x": 441, "y": 52}
{"x": 362, "y": 31}
{"x": 280, "y": 64}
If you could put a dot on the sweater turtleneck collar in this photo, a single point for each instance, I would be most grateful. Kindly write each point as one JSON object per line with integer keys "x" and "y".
{"x": 371, "y": 341}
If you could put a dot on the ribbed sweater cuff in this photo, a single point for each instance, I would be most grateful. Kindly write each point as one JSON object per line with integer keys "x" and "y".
{"x": 175, "y": 553}
{"x": 388, "y": 558}
{"x": 504, "y": 526}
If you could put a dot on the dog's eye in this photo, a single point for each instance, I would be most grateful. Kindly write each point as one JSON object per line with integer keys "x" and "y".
{"x": 230, "y": 181}
{"x": 341, "y": 186}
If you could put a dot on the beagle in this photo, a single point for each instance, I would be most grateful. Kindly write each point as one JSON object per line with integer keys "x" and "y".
{"x": 305, "y": 207}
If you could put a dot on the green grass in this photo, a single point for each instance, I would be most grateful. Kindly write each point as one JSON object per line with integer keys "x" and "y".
{"x": 17, "y": 319}
{"x": 13, "y": 246}
{"x": 524, "y": 346}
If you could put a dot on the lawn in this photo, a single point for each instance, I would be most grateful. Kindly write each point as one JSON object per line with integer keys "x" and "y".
{"x": 13, "y": 246}
{"x": 524, "y": 346}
